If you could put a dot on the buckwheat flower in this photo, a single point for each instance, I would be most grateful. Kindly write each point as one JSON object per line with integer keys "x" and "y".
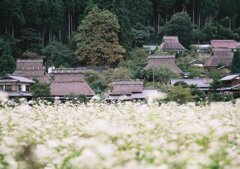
{"x": 41, "y": 153}
{"x": 3, "y": 96}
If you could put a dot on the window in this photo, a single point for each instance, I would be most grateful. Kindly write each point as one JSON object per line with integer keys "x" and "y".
{"x": 8, "y": 88}
{"x": 19, "y": 88}
{"x": 27, "y": 88}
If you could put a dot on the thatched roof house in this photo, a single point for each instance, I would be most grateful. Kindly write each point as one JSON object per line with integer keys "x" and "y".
{"x": 167, "y": 61}
{"x": 171, "y": 43}
{"x": 227, "y": 44}
{"x": 126, "y": 87}
{"x": 130, "y": 90}
{"x": 67, "y": 82}
{"x": 220, "y": 57}
{"x": 32, "y": 69}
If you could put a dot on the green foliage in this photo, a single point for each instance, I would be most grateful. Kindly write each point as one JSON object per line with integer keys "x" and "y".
{"x": 7, "y": 62}
{"x": 218, "y": 97}
{"x": 216, "y": 84}
{"x": 180, "y": 25}
{"x": 58, "y": 54}
{"x": 119, "y": 73}
{"x": 216, "y": 74}
{"x": 96, "y": 81}
{"x": 31, "y": 55}
{"x": 78, "y": 98}
{"x": 136, "y": 61}
{"x": 162, "y": 75}
{"x": 195, "y": 72}
{"x": 97, "y": 39}
{"x": 235, "y": 67}
{"x": 40, "y": 90}
{"x": 180, "y": 95}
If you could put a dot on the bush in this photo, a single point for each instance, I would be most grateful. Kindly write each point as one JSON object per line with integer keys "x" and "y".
{"x": 162, "y": 75}
{"x": 217, "y": 97}
{"x": 180, "y": 95}
{"x": 40, "y": 89}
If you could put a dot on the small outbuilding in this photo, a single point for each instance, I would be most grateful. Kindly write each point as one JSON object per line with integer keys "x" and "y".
{"x": 201, "y": 84}
{"x": 130, "y": 90}
{"x": 171, "y": 43}
{"x": 166, "y": 61}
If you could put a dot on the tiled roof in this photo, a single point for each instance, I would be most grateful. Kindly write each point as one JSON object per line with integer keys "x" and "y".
{"x": 220, "y": 57}
{"x": 230, "y": 77}
{"x": 201, "y": 83}
{"x": 12, "y": 78}
{"x": 171, "y": 43}
{"x": 168, "y": 61}
{"x": 229, "y": 44}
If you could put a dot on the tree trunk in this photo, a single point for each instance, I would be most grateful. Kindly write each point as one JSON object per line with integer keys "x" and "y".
{"x": 193, "y": 12}
{"x": 13, "y": 32}
{"x": 6, "y": 30}
{"x": 43, "y": 37}
{"x": 60, "y": 35}
{"x": 69, "y": 26}
{"x": 158, "y": 26}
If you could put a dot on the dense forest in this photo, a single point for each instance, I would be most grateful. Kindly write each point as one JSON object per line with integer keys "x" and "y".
{"x": 48, "y": 27}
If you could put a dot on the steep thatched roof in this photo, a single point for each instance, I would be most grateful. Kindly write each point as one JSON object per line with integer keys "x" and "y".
{"x": 70, "y": 83}
{"x": 126, "y": 88}
{"x": 220, "y": 57}
{"x": 228, "y": 44}
{"x": 171, "y": 43}
{"x": 32, "y": 69}
{"x": 167, "y": 61}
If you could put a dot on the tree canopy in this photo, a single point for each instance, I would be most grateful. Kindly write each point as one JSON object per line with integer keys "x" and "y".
{"x": 7, "y": 62}
{"x": 97, "y": 39}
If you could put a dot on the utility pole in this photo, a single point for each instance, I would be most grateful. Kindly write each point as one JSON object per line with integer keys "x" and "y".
{"x": 153, "y": 78}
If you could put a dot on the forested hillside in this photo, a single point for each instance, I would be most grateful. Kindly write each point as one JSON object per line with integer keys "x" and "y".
{"x": 47, "y": 27}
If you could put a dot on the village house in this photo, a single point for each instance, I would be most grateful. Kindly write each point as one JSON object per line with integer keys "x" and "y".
{"x": 69, "y": 82}
{"x": 32, "y": 69}
{"x": 220, "y": 57}
{"x": 167, "y": 61}
{"x": 171, "y": 43}
{"x": 130, "y": 90}
{"x": 203, "y": 48}
{"x": 225, "y": 44}
{"x": 16, "y": 86}
{"x": 196, "y": 63}
{"x": 201, "y": 84}
{"x": 150, "y": 48}
{"x": 231, "y": 84}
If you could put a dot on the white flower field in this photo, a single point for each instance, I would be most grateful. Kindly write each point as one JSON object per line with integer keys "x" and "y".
{"x": 120, "y": 136}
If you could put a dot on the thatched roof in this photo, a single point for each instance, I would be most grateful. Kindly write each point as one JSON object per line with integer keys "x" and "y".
{"x": 126, "y": 88}
{"x": 228, "y": 44}
{"x": 32, "y": 69}
{"x": 220, "y": 57}
{"x": 167, "y": 61}
{"x": 70, "y": 83}
{"x": 171, "y": 43}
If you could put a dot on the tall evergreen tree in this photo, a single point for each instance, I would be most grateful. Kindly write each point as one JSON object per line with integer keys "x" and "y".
{"x": 97, "y": 39}
{"x": 7, "y": 63}
{"x": 181, "y": 26}
{"x": 235, "y": 68}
